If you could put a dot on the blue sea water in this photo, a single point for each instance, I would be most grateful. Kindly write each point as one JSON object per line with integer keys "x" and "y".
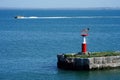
{"x": 28, "y": 46}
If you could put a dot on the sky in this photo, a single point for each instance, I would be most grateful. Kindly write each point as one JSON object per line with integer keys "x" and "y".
{"x": 39, "y": 4}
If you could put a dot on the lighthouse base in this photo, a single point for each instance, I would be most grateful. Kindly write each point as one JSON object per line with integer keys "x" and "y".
{"x": 84, "y": 53}
{"x": 75, "y": 62}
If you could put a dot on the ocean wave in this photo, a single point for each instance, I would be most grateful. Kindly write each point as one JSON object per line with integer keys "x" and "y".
{"x": 67, "y": 17}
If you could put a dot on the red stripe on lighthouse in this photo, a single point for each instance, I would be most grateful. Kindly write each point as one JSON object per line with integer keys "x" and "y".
{"x": 84, "y": 48}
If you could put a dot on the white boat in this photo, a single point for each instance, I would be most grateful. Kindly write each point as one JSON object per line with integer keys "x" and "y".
{"x": 19, "y": 17}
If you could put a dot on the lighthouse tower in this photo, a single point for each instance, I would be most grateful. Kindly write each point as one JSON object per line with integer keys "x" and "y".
{"x": 84, "y": 43}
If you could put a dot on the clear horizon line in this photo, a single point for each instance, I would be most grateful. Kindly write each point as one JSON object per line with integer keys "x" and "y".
{"x": 86, "y": 8}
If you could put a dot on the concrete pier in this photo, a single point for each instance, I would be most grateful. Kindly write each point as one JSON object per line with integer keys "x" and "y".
{"x": 76, "y": 63}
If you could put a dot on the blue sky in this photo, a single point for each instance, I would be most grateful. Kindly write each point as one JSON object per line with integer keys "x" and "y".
{"x": 58, "y": 3}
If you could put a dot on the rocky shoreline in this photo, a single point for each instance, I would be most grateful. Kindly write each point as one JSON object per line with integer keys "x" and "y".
{"x": 90, "y": 63}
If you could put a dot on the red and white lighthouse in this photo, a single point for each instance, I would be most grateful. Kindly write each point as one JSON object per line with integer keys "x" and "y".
{"x": 84, "y": 43}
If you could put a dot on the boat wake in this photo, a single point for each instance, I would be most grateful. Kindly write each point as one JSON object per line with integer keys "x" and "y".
{"x": 65, "y": 17}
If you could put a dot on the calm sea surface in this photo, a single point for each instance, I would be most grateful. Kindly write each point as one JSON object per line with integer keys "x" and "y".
{"x": 28, "y": 46}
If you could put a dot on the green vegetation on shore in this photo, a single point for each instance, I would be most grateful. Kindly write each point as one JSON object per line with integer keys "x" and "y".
{"x": 95, "y": 54}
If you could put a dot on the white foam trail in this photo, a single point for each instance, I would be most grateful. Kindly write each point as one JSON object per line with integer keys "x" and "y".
{"x": 67, "y": 17}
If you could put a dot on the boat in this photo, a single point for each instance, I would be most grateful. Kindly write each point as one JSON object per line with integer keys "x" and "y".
{"x": 19, "y": 17}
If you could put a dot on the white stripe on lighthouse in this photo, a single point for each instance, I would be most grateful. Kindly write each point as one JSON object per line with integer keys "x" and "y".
{"x": 84, "y": 40}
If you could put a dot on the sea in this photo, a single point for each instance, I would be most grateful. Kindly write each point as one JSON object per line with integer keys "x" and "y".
{"x": 29, "y": 46}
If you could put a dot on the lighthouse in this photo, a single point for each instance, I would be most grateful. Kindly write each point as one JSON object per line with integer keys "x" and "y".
{"x": 84, "y": 43}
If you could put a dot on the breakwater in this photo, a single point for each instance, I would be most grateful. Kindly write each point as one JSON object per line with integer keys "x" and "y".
{"x": 90, "y": 63}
